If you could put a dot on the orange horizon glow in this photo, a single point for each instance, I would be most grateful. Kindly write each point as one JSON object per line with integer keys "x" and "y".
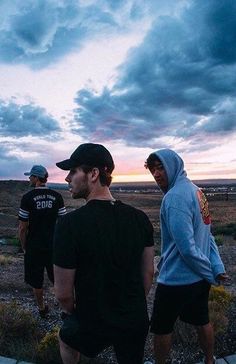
{"x": 125, "y": 178}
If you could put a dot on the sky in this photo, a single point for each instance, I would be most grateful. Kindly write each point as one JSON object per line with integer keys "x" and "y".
{"x": 134, "y": 75}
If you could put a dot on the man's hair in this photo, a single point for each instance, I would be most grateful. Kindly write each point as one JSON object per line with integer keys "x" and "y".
{"x": 43, "y": 179}
{"x": 104, "y": 175}
{"x": 150, "y": 162}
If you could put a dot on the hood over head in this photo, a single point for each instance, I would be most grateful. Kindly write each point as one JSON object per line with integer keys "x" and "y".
{"x": 173, "y": 164}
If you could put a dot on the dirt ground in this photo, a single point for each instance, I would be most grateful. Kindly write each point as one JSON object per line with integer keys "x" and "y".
{"x": 12, "y": 286}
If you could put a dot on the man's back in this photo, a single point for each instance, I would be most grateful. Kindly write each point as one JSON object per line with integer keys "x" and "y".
{"x": 105, "y": 241}
{"x": 41, "y": 207}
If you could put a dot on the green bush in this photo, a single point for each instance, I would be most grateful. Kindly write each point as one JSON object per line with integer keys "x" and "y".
{"x": 14, "y": 241}
{"x": 219, "y": 239}
{"x": 228, "y": 229}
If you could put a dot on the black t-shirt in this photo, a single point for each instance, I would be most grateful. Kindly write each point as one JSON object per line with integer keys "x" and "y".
{"x": 104, "y": 241}
{"x": 41, "y": 207}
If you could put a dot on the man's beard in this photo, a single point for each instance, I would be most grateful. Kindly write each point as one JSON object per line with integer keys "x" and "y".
{"x": 82, "y": 189}
{"x": 83, "y": 193}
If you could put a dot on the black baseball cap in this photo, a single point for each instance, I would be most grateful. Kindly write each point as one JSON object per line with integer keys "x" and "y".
{"x": 94, "y": 155}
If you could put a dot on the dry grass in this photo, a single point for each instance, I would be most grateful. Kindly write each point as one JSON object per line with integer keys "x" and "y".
{"x": 48, "y": 348}
{"x": 219, "y": 302}
{"x": 18, "y": 332}
{"x": 4, "y": 260}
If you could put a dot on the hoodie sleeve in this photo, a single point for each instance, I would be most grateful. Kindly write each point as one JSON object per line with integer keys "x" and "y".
{"x": 215, "y": 259}
{"x": 181, "y": 230}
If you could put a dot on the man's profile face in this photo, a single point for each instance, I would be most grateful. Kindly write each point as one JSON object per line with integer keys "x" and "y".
{"x": 78, "y": 183}
{"x": 159, "y": 174}
{"x": 32, "y": 181}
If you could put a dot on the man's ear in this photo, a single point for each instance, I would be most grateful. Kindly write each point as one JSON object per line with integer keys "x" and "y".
{"x": 94, "y": 174}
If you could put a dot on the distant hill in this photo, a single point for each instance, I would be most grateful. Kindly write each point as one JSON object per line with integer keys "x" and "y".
{"x": 20, "y": 184}
{"x": 203, "y": 182}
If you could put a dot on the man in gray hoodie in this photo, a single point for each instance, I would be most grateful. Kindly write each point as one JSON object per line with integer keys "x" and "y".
{"x": 190, "y": 260}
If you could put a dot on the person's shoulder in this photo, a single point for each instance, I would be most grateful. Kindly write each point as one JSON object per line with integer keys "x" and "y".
{"x": 132, "y": 209}
{"x": 28, "y": 194}
{"x": 53, "y": 192}
{"x": 181, "y": 196}
{"x": 75, "y": 214}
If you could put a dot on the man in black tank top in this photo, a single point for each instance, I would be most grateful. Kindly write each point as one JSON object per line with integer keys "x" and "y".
{"x": 103, "y": 264}
{"x": 38, "y": 213}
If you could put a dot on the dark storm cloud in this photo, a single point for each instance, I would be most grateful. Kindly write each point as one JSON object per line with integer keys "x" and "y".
{"x": 179, "y": 82}
{"x": 23, "y": 120}
{"x": 39, "y": 32}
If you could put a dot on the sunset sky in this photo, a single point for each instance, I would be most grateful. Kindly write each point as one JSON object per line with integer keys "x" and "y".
{"x": 134, "y": 75}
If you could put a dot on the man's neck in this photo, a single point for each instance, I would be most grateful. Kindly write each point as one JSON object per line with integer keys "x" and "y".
{"x": 102, "y": 193}
{"x": 40, "y": 184}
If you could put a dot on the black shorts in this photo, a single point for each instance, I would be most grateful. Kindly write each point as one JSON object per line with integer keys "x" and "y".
{"x": 128, "y": 344}
{"x": 188, "y": 302}
{"x": 35, "y": 262}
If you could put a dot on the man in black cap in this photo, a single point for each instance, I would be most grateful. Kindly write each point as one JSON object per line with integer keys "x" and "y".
{"x": 38, "y": 213}
{"x": 103, "y": 264}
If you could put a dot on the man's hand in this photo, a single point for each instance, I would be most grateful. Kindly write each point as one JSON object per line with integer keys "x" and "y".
{"x": 222, "y": 278}
{"x": 147, "y": 268}
{"x": 64, "y": 288}
{"x": 22, "y": 233}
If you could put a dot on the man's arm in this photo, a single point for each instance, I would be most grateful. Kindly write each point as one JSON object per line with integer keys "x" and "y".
{"x": 22, "y": 233}
{"x": 61, "y": 206}
{"x": 64, "y": 287}
{"x": 181, "y": 229}
{"x": 148, "y": 268}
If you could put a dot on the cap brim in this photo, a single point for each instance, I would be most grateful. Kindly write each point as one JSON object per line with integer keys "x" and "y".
{"x": 27, "y": 173}
{"x": 67, "y": 164}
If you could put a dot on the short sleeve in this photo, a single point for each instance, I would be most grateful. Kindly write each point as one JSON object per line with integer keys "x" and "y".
{"x": 64, "y": 247}
{"x": 61, "y": 206}
{"x": 148, "y": 231}
{"x": 24, "y": 209}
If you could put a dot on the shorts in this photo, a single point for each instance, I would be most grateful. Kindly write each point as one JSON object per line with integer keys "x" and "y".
{"x": 128, "y": 344}
{"x": 188, "y": 302}
{"x": 35, "y": 262}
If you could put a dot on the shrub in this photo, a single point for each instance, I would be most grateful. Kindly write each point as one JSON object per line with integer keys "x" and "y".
{"x": 14, "y": 241}
{"x": 4, "y": 260}
{"x": 219, "y": 295}
{"x": 219, "y": 239}
{"x": 228, "y": 229}
{"x": 48, "y": 349}
{"x": 18, "y": 332}
{"x": 15, "y": 320}
{"x": 219, "y": 302}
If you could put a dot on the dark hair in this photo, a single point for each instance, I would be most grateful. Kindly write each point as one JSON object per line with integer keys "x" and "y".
{"x": 104, "y": 174}
{"x": 150, "y": 162}
{"x": 43, "y": 179}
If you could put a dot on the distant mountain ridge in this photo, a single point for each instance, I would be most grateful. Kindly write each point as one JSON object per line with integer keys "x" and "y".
{"x": 22, "y": 184}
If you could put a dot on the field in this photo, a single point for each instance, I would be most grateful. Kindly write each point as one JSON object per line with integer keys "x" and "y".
{"x": 13, "y": 288}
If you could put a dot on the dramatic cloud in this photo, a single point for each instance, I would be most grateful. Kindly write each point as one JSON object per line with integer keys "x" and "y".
{"x": 179, "y": 83}
{"x": 39, "y": 32}
{"x": 11, "y": 166}
{"x": 23, "y": 120}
